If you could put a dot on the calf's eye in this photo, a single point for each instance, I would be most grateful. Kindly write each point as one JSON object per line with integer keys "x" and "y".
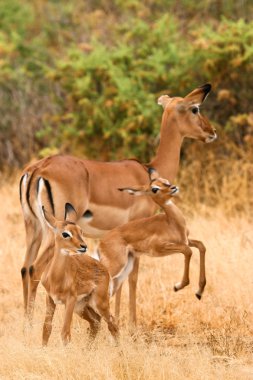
{"x": 65, "y": 235}
{"x": 195, "y": 110}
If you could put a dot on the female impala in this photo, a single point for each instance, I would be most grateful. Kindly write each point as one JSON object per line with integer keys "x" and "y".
{"x": 158, "y": 235}
{"x": 91, "y": 187}
{"x": 75, "y": 280}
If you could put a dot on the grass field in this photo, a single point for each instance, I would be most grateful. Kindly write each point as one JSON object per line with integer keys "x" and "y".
{"x": 178, "y": 337}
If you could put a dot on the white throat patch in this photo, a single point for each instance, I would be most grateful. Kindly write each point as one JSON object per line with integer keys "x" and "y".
{"x": 64, "y": 252}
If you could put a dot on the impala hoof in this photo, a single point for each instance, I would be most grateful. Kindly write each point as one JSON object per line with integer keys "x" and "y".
{"x": 198, "y": 296}
{"x": 175, "y": 289}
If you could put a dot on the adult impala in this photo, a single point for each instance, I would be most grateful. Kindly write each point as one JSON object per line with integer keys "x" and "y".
{"x": 91, "y": 187}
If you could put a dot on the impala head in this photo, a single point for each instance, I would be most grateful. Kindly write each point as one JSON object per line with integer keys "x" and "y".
{"x": 68, "y": 235}
{"x": 186, "y": 115}
{"x": 159, "y": 189}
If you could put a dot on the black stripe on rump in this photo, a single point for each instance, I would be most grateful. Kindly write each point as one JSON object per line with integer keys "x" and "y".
{"x": 50, "y": 195}
{"x": 20, "y": 188}
{"x": 28, "y": 194}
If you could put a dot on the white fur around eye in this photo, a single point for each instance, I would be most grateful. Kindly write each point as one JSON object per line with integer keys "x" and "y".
{"x": 156, "y": 187}
{"x": 195, "y": 106}
{"x": 68, "y": 233}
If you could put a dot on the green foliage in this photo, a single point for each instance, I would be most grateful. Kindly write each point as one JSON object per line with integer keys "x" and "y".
{"x": 83, "y": 77}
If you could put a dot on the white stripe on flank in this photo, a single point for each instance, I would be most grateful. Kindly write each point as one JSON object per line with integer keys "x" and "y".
{"x": 25, "y": 208}
{"x": 40, "y": 213}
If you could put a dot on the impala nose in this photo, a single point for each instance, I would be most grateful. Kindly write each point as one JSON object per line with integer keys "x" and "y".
{"x": 212, "y": 137}
{"x": 174, "y": 190}
{"x": 83, "y": 248}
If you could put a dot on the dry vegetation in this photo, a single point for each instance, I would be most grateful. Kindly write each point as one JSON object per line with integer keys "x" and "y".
{"x": 177, "y": 337}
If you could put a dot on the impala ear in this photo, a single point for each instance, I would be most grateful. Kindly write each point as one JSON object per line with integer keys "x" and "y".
{"x": 198, "y": 95}
{"x": 164, "y": 100}
{"x": 70, "y": 213}
{"x": 50, "y": 219}
{"x": 153, "y": 174}
{"x": 140, "y": 190}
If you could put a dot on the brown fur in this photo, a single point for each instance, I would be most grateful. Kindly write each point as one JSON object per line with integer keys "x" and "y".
{"x": 155, "y": 236}
{"x": 92, "y": 185}
{"x": 69, "y": 276}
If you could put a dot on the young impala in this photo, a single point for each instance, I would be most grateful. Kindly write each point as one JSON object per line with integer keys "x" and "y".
{"x": 155, "y": 236}
{"x": 78, "y": 281}
{"x": 91, "y": 187}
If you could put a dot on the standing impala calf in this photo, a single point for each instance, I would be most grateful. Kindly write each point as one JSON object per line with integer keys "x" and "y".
{"x": 155, "y": 236}
{"x": 91, "y": 187}
{"x": 78, "y": 281}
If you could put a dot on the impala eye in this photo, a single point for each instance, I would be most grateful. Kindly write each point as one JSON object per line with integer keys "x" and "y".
{"x": 155, "y": 189}
{"x": 66, "y": 235}
{"x": 195, "y": 110}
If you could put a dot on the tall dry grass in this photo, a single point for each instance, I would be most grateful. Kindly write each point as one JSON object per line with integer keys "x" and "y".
{"x": 177, "y": 336}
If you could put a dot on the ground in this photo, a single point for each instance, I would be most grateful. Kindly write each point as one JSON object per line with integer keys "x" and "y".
{"x": 177, "y": 337}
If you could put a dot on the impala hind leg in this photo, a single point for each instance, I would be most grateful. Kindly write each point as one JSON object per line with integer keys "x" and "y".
{"x": 132, "y": 281}
{"x": 100, "y": 303}
{"x": 35, "y": 272}
{"x": 117, "y": 303}
{"x": 112, "y": 326}
{"x": 202, "y": 274}
{"x": 69, "y": 309}
{"x": 47, "y": 327}
{"x": 94, "y": 320}
{"x": 33, "y": 242}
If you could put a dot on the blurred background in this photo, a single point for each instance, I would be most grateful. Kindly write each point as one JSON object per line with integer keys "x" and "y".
{"x": 83, "y": 77}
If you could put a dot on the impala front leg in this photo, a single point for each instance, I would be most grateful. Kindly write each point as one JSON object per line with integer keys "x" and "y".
{"x": 35, "y": 272}
{"x": 202, "y": 274}
{"x": 33, "y": 241}
{"x": 187, "y": 252}
{"x": 65, "y": 333}
{"x": 47, "y": 327}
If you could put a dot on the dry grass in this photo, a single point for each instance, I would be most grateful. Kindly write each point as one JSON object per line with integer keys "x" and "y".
{"x": 177, "y": 337}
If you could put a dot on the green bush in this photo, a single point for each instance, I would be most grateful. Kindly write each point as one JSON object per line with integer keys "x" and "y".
{"x": 83, "y": 77}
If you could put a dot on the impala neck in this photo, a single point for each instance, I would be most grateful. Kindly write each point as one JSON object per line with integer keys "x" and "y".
{"x": 59, "y": 260}
{"x": 166, "y": 161}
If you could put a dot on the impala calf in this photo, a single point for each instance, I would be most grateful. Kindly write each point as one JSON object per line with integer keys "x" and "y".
{"x": 155, "y": 236}
{"x": 75, "y": 280}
